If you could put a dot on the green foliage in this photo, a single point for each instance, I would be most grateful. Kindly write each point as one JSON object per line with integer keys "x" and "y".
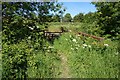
{"x": 21, "y": 19}
{"x": 26, "y": 53}
{"x": 67, "y": 18}
{"x": 88, "y": 58}
{"x": 89, "y": 28}
{"x": 86, "y": 18}
{"x": 56, "y": 18}
{"x": 14, "y": 60}
{"x": 79, "y": 17}
{"x": 0, "y": 54}
{"x": 23, "y": 53}
{"x": 90, "y": 17}
{"x": 25, "y": 60}
{"x": 108, "y": 17}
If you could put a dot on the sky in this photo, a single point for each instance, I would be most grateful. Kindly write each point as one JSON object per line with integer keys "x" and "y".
{"x": 77, "y": 7}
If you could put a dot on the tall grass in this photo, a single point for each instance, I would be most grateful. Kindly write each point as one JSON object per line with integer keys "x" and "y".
{"x": 88, "y": 58}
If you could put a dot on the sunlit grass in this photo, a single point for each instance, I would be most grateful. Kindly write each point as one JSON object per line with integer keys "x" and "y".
{"x": 89, "y": 58}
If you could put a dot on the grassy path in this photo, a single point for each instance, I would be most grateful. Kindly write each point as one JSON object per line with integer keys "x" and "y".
{"x": 65, "y": 73}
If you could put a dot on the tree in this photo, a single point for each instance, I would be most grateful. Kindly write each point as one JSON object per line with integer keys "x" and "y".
{"x": 67, "y": 18}
{"x": 78, "y": 17}
{"x": 22, "y": 18}
{"x": 108, "y": 17}
{"x": 90, "y": 17}
{"x": 56, "y": 18}
{"x": 22, "y": 25}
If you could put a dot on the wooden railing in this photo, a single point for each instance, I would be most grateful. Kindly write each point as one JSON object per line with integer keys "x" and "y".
{"x": 52, "y": 35}
{"x": 92, "y": 36}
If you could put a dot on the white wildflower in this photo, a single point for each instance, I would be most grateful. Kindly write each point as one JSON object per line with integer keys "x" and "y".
{"x": 89, "y": 46}
{"x": 31, "y": 28}
{"x": 48, "y": 50}
{"x": 106, "y": 45}
{"x": 29, "y": 37}
{"x": 45, "y": 47}
{"x": 117, "y": 53}
{"x": 84, "y": 45}
{"x": 66, "y": 39}
{"x": 37, "y": 26}
{"x": 78, "y": 35}
{"x": 74, "y": 40}
{"x": 50, "y": 47}
{"x": 70, "y": 36}
{"x": 36, "y": 50}
{"x": 72, "y": 49}
{"x": 76, "y": 47}
{"x": 70, "y": 31}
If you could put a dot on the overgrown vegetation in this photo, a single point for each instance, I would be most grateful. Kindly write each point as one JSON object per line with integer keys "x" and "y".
{"x": 108, "y": 18}
{"x": 25, "y": 60}
{"x": 88, "y": 58}
{"x": 0, "y": 54}
{"x": 26, "y": 53}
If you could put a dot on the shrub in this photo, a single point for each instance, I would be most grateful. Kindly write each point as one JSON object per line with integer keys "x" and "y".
{"x": 25, "y": 60}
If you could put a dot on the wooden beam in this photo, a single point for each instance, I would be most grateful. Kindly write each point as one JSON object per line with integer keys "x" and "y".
{"x": 92, "y": 36}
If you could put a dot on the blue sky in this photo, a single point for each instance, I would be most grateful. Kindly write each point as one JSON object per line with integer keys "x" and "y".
{"x": 77, "y": 7}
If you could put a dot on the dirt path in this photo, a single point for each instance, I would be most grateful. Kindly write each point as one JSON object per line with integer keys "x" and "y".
{"x": 65, "y": 73}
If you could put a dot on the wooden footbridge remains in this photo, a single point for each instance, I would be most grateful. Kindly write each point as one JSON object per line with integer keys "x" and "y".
{"x": 52, "y": 35}
{"x": 92, "y": 36}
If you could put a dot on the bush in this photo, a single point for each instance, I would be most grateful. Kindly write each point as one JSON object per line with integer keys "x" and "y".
{"x": 25, "y": 60}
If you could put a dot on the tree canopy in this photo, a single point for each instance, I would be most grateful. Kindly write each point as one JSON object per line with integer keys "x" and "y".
{"x": 56, "y": 18}
{"x": 108, "y": 15}
{"x": 79, "y": 17}
{"x": 21, "y": 19}
{"x": 22, "y": 25}
{"x": 90, "y": 17}
{"x": 67, "y": 18}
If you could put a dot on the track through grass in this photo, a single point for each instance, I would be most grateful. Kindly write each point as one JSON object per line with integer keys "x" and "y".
{"x": 65, "y": 71}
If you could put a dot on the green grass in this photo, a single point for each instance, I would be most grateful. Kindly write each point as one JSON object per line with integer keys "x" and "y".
{"x": 56, "y": 26}
{"x": 88, "y": 58}
{"x": 47, "y": 65}
{"x": 75, "y": 27}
